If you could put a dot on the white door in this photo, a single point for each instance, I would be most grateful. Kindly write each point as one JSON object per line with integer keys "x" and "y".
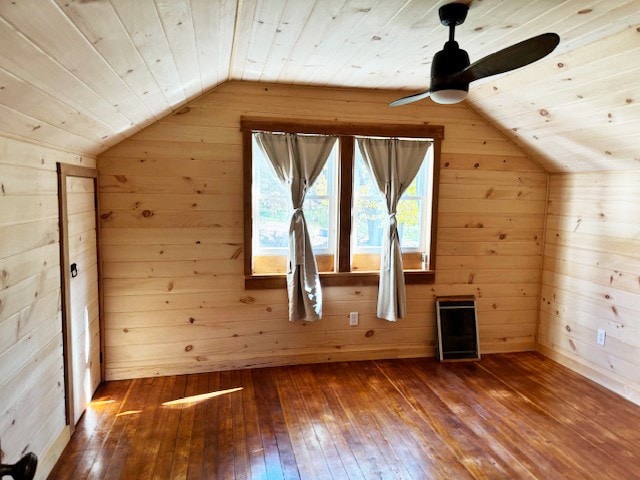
{"x": 83, "y": 288}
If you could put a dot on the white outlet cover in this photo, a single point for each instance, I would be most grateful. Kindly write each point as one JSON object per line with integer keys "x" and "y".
{"x": 602, "y": 334}
{"x": 353, "y": 319}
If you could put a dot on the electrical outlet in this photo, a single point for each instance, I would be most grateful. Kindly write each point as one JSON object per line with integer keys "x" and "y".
{"x": 353, "y": 319}
{"x": 602, "y": 334}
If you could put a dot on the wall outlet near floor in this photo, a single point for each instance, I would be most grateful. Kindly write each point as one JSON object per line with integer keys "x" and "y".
{"x": 353, "y": 319}
{"x": 602, "y": 334}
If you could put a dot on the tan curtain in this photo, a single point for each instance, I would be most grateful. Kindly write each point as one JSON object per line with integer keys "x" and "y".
{"x": 297, "y": 161}
{"x": 393, "y": 164}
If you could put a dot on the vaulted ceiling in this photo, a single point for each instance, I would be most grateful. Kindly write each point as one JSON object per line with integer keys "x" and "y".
{"x": 84, "y": 74}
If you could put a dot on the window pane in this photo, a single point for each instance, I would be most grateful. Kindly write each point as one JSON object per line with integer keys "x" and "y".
{"x": 316, "y": 212}
{"x": 272, "y": 212}
{"x": 268, "y": 183}
{"x": 409, "y": 216}
{"x": 417, "y": 187}
{"x": 370, "y": 216}
{"x": 370, "y": 210}
{"x": 323, "y": 184}
{"x": 273, "y": 227}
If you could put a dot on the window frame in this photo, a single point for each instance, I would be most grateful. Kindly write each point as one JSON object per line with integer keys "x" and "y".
{"x": 346, "y": 133}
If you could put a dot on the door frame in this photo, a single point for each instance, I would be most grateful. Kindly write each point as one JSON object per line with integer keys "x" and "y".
{"x": 66, "y": 170}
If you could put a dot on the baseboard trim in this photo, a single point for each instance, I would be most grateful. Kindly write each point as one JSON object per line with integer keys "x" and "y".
{"x": 239, "y": 363}
{"x": 127, "y": 372}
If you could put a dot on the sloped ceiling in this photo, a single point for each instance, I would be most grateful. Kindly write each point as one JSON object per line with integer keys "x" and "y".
{"x": 84, "y": 74}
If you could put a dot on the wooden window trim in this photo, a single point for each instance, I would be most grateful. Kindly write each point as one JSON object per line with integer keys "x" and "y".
{"x": 346, "y": 133}
{"x": 252, "y": 124}
{"x": 337, "y": 279}
{"x": 345, "y": 184}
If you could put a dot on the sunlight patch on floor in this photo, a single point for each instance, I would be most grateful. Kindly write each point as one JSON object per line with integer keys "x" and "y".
{"x": 99, "y": 403}
{"x": 199, "y": 398}
{"x": 128, "y": 412}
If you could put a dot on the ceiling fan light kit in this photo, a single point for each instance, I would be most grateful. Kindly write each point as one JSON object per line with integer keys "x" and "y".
{"x": 448, "y": 96}
{"x": 452, "y": 72}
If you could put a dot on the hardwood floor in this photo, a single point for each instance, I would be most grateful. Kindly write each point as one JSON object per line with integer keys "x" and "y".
{"x": 509, "y": 416}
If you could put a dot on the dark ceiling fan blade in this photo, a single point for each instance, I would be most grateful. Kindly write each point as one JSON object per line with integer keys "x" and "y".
{"x": 510, "y": 58}
{"x": 410, "y": 98}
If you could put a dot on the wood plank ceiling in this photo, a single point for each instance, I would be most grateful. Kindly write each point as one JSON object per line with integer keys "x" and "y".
{"x": 82, "y": 75}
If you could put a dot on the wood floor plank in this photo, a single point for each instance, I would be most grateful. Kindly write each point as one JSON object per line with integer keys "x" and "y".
{"x": 484, "y": 417}
{"x": 210, "y": 461}
{"x": 358, "y": 407}
{"x": 91, "y": 433}
{"x": 101, "y": 466}
{"x": 226, "y": 464}
{"x": 366, "y": 454}
{"x": 468, "y": 447}
{"x": 180, "y": 464}
{"x": 195, "y": 463}
{"x": 280, "y": 460}
{"x": 536, "y": 429}
{"x": 105, "y": 437}
{"x": 140, "y": 453}
{"x": 241, "y": 454}
{"x": 509, "y": 416}
{"x": 169, "y": 431}
{"x": 130, "y": 417}
{"x": 257, "y": 462}
{"x": 397, "y": 445}
{"x": 306, "y": 436}
{"x": 158, "y": 430}
{"x": 610, "y": 435}
{"x": 416, "y": 444}
{"x": 404, "y": 406}
{"x": 548, "y": 375}
{"x": 314, "y": 384}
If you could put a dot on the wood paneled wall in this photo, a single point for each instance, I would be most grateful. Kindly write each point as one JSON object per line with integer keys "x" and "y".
{"x": 32, "y": 408}
{"x": 171, "y": 217}
{"x": 591, "y": 277}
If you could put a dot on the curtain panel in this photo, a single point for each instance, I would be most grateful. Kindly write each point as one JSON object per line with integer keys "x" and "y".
{"x": 393, "y": 164}
{"x": 297, "y": 161}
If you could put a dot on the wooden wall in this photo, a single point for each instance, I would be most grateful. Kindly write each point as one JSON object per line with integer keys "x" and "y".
{"x": 591, "y": 277}
{"x": 32, "y": 409}
{"x": 171, "y": 217}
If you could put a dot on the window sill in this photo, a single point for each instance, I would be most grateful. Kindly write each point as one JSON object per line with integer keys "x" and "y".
{"x": 337, "y": 279}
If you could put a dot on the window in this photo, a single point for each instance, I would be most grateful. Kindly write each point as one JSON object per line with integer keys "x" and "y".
{"x": 271, "y": 206}
{"x": 369, "y": 213}
{"x": 344, "y": 209}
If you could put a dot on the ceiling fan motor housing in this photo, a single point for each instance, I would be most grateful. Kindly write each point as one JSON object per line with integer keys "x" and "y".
{"x": 448, "y": 61}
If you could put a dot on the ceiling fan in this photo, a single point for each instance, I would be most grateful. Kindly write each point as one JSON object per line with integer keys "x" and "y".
{"x": 451, "y": 72}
